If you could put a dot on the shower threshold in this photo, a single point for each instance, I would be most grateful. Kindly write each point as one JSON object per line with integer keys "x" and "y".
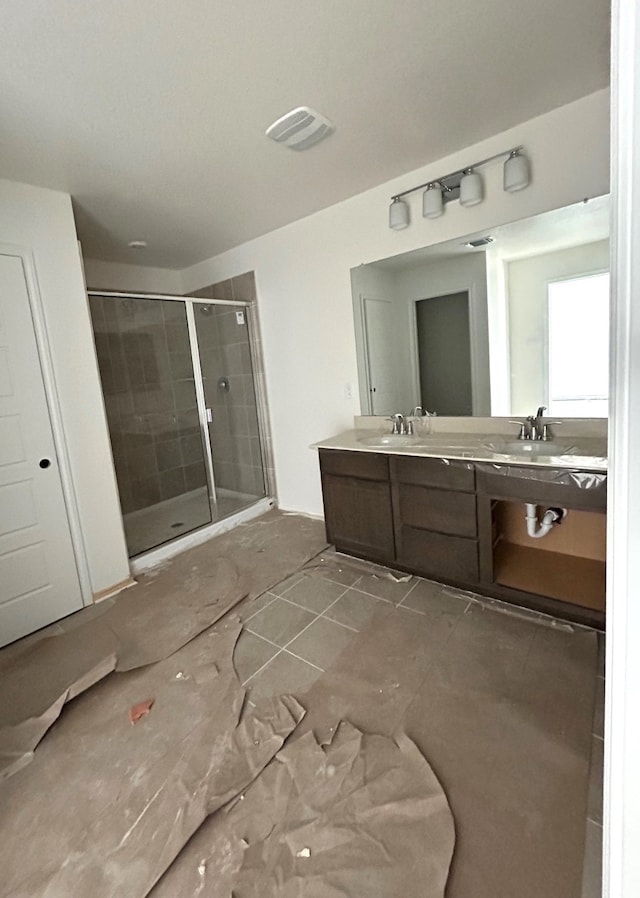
{"x": 154, "y": 526}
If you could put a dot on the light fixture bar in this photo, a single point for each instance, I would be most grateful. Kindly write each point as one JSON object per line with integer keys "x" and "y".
{"x": 458, "y": 171}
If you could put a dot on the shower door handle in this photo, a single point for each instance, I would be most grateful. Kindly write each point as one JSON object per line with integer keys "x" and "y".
{"x": 209, "y": 415}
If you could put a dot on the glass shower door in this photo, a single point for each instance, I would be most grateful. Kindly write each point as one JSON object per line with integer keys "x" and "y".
{"x": 230, "y": 399}
{"x": 148, "y": 381}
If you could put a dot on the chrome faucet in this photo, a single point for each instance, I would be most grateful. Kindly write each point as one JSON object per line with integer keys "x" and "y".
{"x": 401, "y": 426}
{"x": 535, "y": 428}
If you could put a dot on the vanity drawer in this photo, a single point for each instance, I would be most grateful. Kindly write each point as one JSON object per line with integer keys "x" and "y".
{"x": 445, "y": 475}
{"x": 365, "y": 465}
{"x": 443, "y": 510}
{"x": 437, "y": 555}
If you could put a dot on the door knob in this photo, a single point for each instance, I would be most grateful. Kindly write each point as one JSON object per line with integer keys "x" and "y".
{"x": 44, "y": 462}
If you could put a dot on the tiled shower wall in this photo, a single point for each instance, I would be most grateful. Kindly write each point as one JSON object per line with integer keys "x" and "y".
{"x": 148, "y": 385}
{"x": 233, "y": 464}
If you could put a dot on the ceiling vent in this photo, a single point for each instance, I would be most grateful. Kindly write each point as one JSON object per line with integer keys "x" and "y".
{"x": 300, "y": 128}
{"x": 481, "y": 241}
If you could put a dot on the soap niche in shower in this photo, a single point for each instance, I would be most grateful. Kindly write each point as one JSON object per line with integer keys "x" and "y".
{"x": 567, "y": 564}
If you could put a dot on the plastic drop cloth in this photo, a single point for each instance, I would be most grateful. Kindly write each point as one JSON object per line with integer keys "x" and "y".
{"x": 114, "y": 804}
{"x": 361, "y": 816}
{"x": 165, "y": 611}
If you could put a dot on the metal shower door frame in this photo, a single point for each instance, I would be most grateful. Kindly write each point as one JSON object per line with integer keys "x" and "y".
{"x": 189, "y": 303}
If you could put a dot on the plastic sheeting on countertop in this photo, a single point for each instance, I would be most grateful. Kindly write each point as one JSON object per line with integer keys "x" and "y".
{"x": 560, "y": 476}
{"x": 586, "y": 453}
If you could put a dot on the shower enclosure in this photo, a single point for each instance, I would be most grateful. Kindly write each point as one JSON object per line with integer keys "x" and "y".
{"x": 179, "y": 391}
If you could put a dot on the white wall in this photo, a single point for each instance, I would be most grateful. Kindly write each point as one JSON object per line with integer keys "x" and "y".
{"x": 41, "y": 221}
{"x": 527, "y": 281}
{"x": 118, "y": 277}
{"x": 303, "y": 273}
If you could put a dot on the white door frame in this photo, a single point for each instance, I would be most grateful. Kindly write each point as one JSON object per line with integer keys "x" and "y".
{"x": 55, "y": 414}
{"x": 621, "y": 853}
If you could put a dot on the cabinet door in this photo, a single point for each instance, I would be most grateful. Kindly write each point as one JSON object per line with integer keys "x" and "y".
{"x": 358, "y": 516}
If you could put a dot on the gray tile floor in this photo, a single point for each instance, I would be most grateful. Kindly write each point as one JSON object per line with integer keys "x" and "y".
{"x": 294, "y": 632}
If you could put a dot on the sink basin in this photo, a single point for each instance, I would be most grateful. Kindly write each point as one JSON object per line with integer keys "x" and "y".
{"x": 535, "y": 449}
{"x": 388, "y": 440}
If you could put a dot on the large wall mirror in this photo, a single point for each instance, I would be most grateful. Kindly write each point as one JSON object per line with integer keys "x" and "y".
{"x": 497, "y": 323}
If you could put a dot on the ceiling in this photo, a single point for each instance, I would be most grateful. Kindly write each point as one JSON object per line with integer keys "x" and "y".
{"x": 151, "y": 113}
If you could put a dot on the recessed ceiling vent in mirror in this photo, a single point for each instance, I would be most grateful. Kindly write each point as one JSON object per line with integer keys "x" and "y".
{"x": 300, "y": 129}
{"x": 479, "y": 241}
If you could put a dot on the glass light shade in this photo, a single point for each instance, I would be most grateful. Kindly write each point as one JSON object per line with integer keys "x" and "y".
{"x": 398, "y": 215}
{"x": 471, "y": 189}
{"x": 432, "y": 205}
{"x": 516, "y": 173}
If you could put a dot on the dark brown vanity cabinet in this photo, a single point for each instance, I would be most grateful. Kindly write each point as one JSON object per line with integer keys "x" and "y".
{"x": 435, "y": 519}
{"x": 357, "y": 503}
{"x": 464, "y": 524}
{"x": 417, "y": 513}
{"x": 564, "y": 573}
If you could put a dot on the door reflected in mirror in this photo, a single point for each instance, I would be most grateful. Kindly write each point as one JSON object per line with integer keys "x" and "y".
{"x": 497, "y": 323}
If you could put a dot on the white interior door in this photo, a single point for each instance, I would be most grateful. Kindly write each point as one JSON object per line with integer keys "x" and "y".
{"x": 382, "y": 356}
{"x": 38, "y": 576}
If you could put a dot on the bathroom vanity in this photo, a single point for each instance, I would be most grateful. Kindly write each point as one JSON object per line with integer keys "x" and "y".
{"x": 458, "y": 517}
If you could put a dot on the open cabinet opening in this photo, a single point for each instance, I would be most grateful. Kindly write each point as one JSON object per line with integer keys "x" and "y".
{"x": 567, "y": 564}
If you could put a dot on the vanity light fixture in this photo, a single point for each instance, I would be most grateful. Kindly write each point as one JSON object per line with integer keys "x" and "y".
{"x": 398, "y": 214}
{"x": 432, "y": 201}
{"x": 471, "y": 188}
{"x": 465, "y": 184}
{"x": 516, "y": 172}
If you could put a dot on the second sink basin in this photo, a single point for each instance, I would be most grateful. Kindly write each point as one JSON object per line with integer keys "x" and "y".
{"x": 537, "y": 448}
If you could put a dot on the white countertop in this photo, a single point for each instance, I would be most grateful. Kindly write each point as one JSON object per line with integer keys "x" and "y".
{"x": 576, "y": 453}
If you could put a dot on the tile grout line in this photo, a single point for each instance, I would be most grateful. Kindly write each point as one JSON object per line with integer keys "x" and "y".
{"x": 266, "y": 663}
{"x": 370, "y": 595}
{"x": 284, "y": 647}
{"x": 266, "y": 638}
{"x": 410, "y": 590}
{"x": 412, "y": 610}
{"x": 300, "y": 658}
{"x": 273, "y": 598}
{"x": 332, "y": 620}
{"x": 315, "y": 618}
{"x": 304, "y": 607}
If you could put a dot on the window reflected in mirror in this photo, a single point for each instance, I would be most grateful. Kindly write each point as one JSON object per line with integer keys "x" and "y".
{"x": 579, "y": 346}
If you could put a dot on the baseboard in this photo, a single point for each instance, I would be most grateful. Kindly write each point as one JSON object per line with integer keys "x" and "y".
{"x": 103, "y": 594}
